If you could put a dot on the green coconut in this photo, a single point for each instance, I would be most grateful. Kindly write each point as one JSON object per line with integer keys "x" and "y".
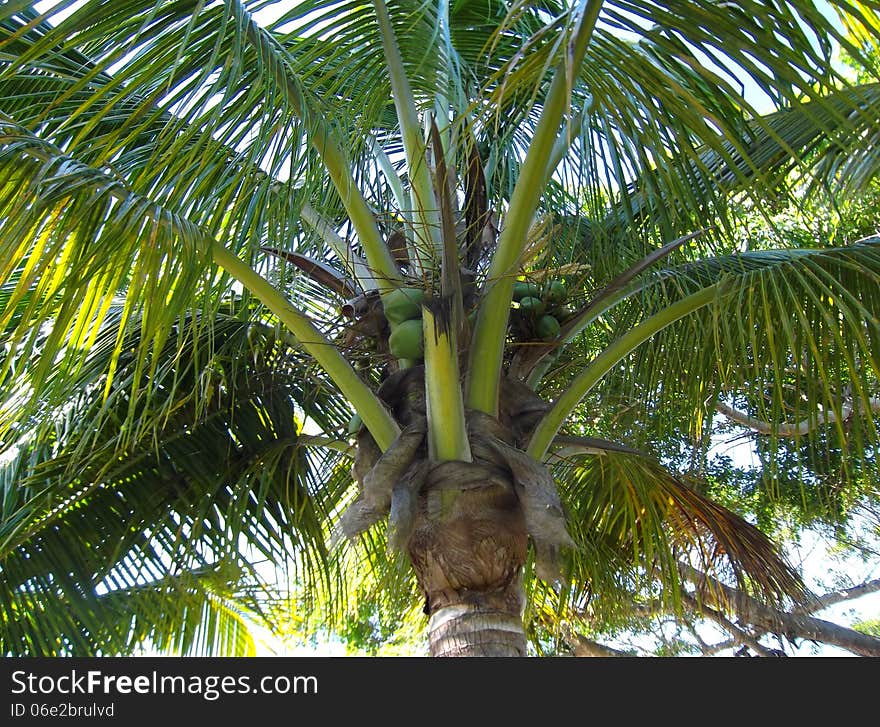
{"x": 406, "y": 340}
{"x": 403, "y": 304}
{"x": 532, "y": 306}
{"x": 547, "y": 328}
{"x": 556, "y": 292}
{"x": 521, "y": 290}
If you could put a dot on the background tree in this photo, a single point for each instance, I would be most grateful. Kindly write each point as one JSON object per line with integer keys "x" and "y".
{"x": 490, "y": 237}
{"x": 829, "y": 526}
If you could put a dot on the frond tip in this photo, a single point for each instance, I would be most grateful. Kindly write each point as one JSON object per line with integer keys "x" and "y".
{"x": 632, "y": 505}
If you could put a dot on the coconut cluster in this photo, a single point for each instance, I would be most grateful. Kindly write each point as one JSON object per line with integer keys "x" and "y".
{"x": 540, "y": 308}
{"x": 403, "y": 309}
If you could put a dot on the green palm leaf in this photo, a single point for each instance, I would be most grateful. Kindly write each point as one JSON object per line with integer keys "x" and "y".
{"x": 629, "y": 510}
{"x": 200, "y": 612}
{"x": 793, "y": 338}
{"x": 220, "y": 477}
{"x": 810, "y": 314}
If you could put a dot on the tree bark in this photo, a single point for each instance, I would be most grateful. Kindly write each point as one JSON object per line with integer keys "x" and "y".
{"x": 468, "y": 548}
{"x": 584, "y": 647}
{"x": 796, "y": 429}
{"x": 469, "y": 630}
{"x": 791, "y": 625}
{"x": 740, "y": 636}
{"x": 845, "y": 594}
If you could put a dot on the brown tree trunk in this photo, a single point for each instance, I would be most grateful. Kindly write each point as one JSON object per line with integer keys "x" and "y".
{"x": 468, "y": 548}
{"x": 791, "y": 625}
{"x": 474, "y": 630}
{"x": 584, "y": 647}
{"x": 465, "y": 525}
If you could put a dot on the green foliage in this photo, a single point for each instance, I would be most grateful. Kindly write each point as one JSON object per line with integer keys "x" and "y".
{"x": 150, "y": 522}
{"x": 153, "y": 411}
{"x": 371, "y": 631}
{"x": 872, "y": 628}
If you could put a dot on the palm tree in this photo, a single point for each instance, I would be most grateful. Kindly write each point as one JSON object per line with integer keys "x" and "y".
{"x": 226, "y": 225}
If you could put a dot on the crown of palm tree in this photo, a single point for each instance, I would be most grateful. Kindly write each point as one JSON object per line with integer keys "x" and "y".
{"x": 208, "y": 212}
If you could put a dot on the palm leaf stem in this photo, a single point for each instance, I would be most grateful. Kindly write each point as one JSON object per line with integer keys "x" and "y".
{"x": 424, "y": 207}
{"x": 314, "y": 440}
{"x": 376, "y": 417}
{"x": 441, "y": 323}
{"x": 394, "y": 183}
{"x": 603, "y": 363}
{"x": 487, "y": 347}
{"x": 450, "y": 271}
{"x": 563, "y": 142}
{"x": 447, "y": 428}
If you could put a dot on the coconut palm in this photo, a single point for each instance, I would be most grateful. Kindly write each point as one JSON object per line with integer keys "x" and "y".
{"x": 374, "y": 291}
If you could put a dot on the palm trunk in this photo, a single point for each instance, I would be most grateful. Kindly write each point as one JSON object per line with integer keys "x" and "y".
{"x": 468, "y": 548}
{"x": 465, "y": 525}
{"x": 468, "y": 630}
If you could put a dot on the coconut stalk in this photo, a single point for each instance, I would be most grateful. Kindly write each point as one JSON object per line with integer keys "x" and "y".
{"x": 487, "y": 346}
{"x": 425, "y": 220}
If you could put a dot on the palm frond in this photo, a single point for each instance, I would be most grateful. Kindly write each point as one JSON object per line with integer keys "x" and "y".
{"x": 802, "y": 150}
{"x": 634, "y": 519}
{"x": 795, "y": 339}
{"x": 207, "y": 611}
{"x": 220, "y": 477}
{"x": 81, "y": 259}
{"x": 74, "y": 238}
{"x": 153, "y": 113}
